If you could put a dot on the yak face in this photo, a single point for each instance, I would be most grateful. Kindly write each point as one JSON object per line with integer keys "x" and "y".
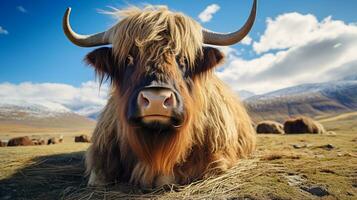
{"x": 155, "y": 63}
{"x": 155, "y": 95}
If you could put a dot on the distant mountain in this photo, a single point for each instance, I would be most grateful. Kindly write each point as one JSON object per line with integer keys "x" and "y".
{"x": 306, "y": 99}
{"x": 25, "y": 115}
{"x": 245, "y": 94}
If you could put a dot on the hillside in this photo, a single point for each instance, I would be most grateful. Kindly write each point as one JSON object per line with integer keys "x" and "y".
{"x": 308, "y": 99}
{"x": 34, "y": 119}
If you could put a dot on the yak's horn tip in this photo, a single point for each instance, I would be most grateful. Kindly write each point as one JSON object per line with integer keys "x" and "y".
{"x": 68, "y": 10}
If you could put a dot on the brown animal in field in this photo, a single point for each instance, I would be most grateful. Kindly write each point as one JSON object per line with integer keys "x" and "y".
{"x": 169, "y": 118}
{"x": 270, "y": 127}
{"x": 35, "y": 141}
{"x": 303, "y": 125}
{"x": 39, "y": 141}
{"x": 20, "y": 141}
{"x": 3, "y": 143}
{"x": 52, "y": 140}
{"x": 82, "y": 138}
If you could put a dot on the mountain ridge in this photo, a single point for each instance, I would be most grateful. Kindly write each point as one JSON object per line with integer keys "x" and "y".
{"x": 313, "y": 99}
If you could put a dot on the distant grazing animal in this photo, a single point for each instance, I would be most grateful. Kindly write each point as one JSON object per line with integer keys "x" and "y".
{"x": 35, "y": 141}
{"x": 20, "y": 141}
{"x": 38, "y": 141}
{"x": 3, "y": 143}
{"x": 169, "y": 118}
{"x": 60, "y": 140}
{"x": 41, "y": 141}
{"x": 270, "y": 127}
{"x": 52, "y": 140}
{"x": 303, "y": 125}
{"x": 81, "y": 138}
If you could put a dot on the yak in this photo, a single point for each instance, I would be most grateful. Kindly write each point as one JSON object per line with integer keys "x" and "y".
{"x": 169, "y": 119}
{"x": 20, "y": 141}
{"x": 82, "y": 138}
{"x": 303, "y": 124}
{"x": 270, "y": 127}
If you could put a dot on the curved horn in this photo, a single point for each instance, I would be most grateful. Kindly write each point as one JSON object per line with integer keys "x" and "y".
{"x": 225, "y": 39}
{"x": 93, "y": 40}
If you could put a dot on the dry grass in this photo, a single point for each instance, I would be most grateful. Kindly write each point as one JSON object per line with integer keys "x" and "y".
{"x": 221, "y": 186}
{"x": 276, "y": 171}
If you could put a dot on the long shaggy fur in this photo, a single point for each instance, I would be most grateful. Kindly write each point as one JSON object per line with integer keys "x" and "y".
{"x": 155, "y": 30}
{"x": 216, "y": 131}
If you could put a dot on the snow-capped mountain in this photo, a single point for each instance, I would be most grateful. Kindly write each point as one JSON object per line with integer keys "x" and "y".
{"x": 18, "y": 109}
{"x": 306, "y": 99}
{"x": 19, "y": 113}
{"x": 43, "y": 109}
{"x": 41, "y": 100}
{"x": 327, "y": 87}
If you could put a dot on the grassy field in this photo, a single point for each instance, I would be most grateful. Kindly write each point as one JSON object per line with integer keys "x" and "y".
{"x": 283, "y": 167}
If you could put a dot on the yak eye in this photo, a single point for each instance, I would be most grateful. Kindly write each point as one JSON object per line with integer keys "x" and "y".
{"x": 183, "y": 65}
{"x": 129, "y": 60}
{"x": 182, "y": 61}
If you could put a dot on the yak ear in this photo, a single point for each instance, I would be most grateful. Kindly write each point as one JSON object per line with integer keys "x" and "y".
{"x": 103, "y": 61}
{"x": 211, "y": 58}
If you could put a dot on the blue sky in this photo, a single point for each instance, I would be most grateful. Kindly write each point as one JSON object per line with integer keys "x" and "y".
{"x": 36, "y": 50}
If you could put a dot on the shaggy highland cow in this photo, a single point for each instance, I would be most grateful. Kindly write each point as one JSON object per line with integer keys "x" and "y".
{"x": 82, "y": 138}
{"x": 169, "y": 118}
{"x": 20, "y": 141}
{"x": 303, "y": 125}
{"x": 270, "y": 127}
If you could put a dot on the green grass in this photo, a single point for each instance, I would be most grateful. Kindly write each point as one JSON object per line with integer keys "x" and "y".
{"x": 276, "y": 171}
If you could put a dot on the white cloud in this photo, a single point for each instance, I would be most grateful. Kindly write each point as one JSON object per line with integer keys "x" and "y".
{"x": 247, "y": 40}
{"x": 286, "y": 31}
{"x": 305, "y": 50}
{"x": 207, "y": 14}
{"x": 21, "y": 9}
{"x": 3, "y": 31}
{"x": 86, "y": 99}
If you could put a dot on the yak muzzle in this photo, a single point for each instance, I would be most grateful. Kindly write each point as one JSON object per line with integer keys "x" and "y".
{"x": 156, "y": 104}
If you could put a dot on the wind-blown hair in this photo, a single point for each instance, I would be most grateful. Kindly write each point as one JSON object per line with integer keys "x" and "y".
{"x": 155, "y": 31}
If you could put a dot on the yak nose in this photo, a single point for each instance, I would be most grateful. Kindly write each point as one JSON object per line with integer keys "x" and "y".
{"x": 156, "y": 103}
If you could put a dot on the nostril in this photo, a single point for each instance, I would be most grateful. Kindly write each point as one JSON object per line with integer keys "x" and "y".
{"x": 143, "y": 101}
{"x": 169, "y": 101}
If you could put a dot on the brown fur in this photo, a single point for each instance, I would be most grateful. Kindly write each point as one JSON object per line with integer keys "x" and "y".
{"x": 204, "y": 146}
{"x": 20, "y": 141}
{"x": 82, "y": 138}
{"x": 216, "y": 132}
{"x": 270, "y": 127}
{"x": 303, "y": 125}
